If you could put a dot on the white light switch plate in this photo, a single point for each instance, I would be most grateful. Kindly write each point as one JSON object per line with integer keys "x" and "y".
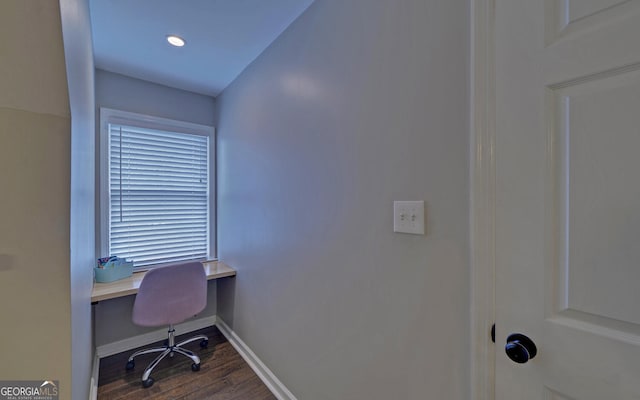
{"x": 408, "y": 217}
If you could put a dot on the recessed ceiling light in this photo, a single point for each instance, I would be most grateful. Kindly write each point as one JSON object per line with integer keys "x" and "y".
{"x": 175, "y": 40}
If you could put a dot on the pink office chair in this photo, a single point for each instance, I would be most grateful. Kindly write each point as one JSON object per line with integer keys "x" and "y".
{"x": 168, "y": 296}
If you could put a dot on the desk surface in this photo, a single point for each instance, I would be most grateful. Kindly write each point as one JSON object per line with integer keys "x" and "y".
{"x": 130, "y": 285}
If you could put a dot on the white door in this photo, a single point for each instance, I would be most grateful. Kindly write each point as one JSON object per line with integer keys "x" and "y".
{"x": 568, "y": 198}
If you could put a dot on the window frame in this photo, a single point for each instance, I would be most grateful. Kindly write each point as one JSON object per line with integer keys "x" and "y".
{"x": 113, "y": 116}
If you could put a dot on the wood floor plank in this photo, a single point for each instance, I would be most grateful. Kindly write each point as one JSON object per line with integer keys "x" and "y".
{"x": 223, "y": 375}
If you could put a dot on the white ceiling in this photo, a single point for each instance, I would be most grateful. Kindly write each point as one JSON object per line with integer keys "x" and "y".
{"x": 223, "y": 37}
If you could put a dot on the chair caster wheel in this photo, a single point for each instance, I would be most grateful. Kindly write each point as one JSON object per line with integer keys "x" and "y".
{"x": 147, "y": 383}
{"x": 204, "y": 343}
{"x": 130, "y": 365}
{"x": 195, "y": 367}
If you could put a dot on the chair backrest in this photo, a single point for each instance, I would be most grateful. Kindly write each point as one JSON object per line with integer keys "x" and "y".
{"x": 170, "y": 295}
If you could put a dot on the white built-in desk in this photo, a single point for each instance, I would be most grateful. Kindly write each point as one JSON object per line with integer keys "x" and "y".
{"x": 130, "y": 285}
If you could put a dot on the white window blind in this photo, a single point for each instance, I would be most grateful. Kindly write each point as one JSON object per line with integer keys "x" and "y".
{"x": 158, "y": 195}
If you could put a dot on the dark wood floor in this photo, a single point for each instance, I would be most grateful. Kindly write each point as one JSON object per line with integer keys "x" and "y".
{"x": 223, "y": 375}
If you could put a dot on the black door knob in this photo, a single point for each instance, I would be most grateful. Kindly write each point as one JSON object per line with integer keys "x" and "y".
{"x": 520, "y": 348}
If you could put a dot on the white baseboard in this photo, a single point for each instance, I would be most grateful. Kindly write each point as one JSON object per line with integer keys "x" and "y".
{"x": 93, "y": 388}
{"x": 110, "y": 349}
{"x": 264, "y": 373}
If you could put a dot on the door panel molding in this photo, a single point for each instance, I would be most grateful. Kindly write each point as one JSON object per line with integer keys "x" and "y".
{"x": 597, "y": 76}
{"x": 575, "y": 111}
{"x": 602, "y": 326}
{"x": 564, "y": 18}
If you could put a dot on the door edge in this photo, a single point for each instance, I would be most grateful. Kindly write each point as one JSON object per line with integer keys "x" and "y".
{"x": 482, "y": 198}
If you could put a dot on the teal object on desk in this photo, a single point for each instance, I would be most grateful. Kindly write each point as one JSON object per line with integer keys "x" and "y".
{"x": 112, "y": 273}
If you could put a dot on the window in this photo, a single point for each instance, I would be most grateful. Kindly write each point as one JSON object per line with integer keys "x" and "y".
{"x": 156, "y": 189}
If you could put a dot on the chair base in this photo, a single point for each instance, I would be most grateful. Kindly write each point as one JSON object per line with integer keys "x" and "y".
{"x": 168, "y": 350}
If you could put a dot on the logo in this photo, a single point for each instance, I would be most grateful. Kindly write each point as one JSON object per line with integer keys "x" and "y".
{"x": 29, "y": 390}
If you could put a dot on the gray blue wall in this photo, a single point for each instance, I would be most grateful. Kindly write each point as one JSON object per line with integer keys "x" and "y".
{"x": 113, "y": 317}
{"x": 359, "y": 103}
